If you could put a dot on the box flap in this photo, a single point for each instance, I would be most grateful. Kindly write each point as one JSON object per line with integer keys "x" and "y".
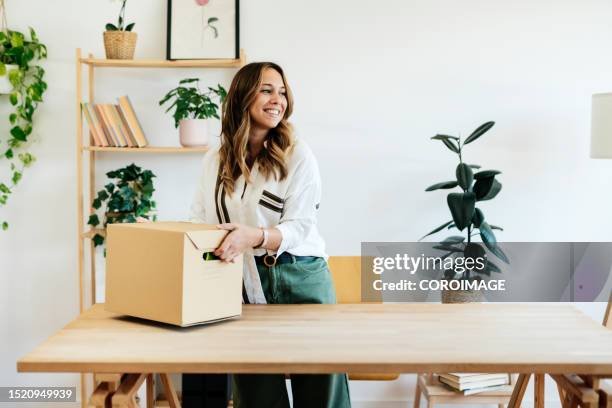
{"x": 206, "y": 239}
{"x": 173, "y": 226}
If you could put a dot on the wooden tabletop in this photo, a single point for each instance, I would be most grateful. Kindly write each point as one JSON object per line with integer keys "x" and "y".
{"x": 400, "y": 338}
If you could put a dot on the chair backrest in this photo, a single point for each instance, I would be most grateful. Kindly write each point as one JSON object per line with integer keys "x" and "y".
{"x": 607, "y": 322}
{"x": 346, "y": 273}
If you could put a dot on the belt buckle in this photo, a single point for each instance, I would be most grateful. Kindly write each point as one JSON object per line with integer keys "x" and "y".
{"x": 269, "y": 260}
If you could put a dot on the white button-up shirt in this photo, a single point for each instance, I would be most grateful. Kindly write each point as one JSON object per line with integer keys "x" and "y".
{"x": 290, "y": 205}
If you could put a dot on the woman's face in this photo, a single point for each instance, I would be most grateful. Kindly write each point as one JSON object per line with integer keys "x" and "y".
{"x": 269, "y": 106}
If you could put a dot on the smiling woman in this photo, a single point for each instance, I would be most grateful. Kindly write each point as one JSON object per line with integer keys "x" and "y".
{"x": 263, "y": 186}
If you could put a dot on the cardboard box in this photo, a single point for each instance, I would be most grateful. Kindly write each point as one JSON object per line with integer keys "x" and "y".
{"x": 156, "y": 271}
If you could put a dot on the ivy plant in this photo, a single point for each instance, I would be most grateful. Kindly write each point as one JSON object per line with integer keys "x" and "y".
{"x": 128, "y": 197}
{"x": 189, "y": 102}
{"x": 28, "y": 88}
{"x": 120, "y": 21}
{"x": 474, "y": 188}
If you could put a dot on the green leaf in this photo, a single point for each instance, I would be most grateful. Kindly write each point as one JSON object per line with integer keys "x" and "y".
{"x": 440, "y": 228}
{"x": 18, "y": 133}
{"x": 448, "y": 142}
{"x": 486, "y": 174}
{"x": 93, "y": 220}
{"x": 442, "y": 185}
{"x": 2, "y": 69}
{"x": 33, "y": 35}
{"x": 188, "y": 80}
{"x": 212, "y": 20}
{"x": 98, "y": 240}
{"x": 465, "y": 177}
{"x": 5, "y": 226}
{"x": 488, "y": 237}
{"x": 16, "y": 39}
{"x": 461, "y": 206}
{"x": 9, "y": 154}
{"x": 442, "y": 137}
{"x": 478, "y": 217}
{"x": 4, "y": 188}
{"x": 474, "y": 166}
{"x": 481, "y": 130}
{"x": 111, "y": 27}
{"x": 13, "y": 118}
{"x": 96, "y": 203}
{"x": 14, "y": 98}
{"x": 495, "y": 227}
{"x": 16, "y": 177}
{"x": 486, "y": 188}
{"x": 129, "y": 27}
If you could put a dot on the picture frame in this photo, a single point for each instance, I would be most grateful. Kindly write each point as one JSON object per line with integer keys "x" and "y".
{"x": 203, "y": 29}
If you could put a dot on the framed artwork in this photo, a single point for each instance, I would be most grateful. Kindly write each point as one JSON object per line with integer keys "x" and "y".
{"x": 202, "y": 29}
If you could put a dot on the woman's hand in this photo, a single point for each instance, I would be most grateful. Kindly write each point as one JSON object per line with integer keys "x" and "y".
{"x": 240, "y": 238}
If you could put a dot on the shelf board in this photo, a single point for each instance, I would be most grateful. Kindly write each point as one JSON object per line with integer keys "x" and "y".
{"x": 153, "y": 149}
{"x": 92, "y": 232}
{"x": 149, "y": 63}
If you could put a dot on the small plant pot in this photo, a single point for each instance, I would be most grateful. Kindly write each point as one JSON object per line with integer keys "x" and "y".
{"x": 5, "y": 85}
{"x": 194, "y": 132}
{"x": 120, "y": 44}
{"x": 461, "y": 296}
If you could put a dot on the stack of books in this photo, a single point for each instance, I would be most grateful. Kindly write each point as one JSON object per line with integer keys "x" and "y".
{"x": 114, "y": 125}
{"x": 473, "y": 383}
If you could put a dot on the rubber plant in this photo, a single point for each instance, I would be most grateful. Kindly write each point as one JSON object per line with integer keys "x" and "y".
{"x": 189, "y": 102}
{"x": 128, "y": 197}
{"x": 474, "y": 188}
{"x": 28, "y": 88}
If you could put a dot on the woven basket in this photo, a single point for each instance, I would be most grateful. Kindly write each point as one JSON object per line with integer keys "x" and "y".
{"x": 120, "y": 44}
{"x": 461, "y": 296}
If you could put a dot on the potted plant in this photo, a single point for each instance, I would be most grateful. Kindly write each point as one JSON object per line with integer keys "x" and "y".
{"x": 466, "y": 217}
{"x": 128, "y": 198}
{"x": 192, "y": 109}
{"x": 18, "y": 63}
{"x": 119, "y": 40}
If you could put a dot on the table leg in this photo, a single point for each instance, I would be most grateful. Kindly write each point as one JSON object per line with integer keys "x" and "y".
{"x": 538, "y": 391}
{"x": 151, "y": 391}
{"x": 519, "y": 391}
{"x": 169, "y": 391}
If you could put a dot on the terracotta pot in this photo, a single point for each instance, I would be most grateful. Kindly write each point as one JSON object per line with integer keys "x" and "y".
{"x": 461, "y": 296}
{"x": 193, "y": 132}
{"x": 120, "y": 44}
{"x": 5, "y": 85}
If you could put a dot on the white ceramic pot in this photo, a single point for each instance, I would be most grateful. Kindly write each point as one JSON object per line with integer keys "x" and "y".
{"x": 5, "y": 84}
{"x": 194, "y": 132}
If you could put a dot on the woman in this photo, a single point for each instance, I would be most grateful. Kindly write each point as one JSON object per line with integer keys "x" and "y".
{"x": 263, "y": 186}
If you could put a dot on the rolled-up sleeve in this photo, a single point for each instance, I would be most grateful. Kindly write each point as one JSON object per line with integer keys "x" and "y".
{"x": 301, "y": 205}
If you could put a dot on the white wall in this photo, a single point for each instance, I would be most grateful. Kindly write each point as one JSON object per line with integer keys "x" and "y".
{"x": 372, "y": 81}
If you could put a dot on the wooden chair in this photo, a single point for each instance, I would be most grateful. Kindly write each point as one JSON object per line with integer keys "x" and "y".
{"x": 585, "y": 390}
{"x": 346, "y": 274}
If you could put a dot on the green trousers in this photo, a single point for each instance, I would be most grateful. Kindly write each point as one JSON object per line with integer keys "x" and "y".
{"x": 303, "y": 281}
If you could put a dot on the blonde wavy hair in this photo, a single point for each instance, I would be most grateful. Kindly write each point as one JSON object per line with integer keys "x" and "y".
{"x": 236, "y": 126}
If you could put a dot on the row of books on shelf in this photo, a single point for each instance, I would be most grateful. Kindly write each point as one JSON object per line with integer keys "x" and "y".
{"x": 474, "y": 383}
{"x": 114, "y": 125}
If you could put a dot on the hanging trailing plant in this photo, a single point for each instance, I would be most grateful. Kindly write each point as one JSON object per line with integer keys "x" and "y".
{"x": 127, "y": 199}
{"x": 27, "y": 88}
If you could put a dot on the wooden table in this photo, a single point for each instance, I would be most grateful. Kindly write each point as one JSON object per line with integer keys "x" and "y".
{"x": 360, "y": 338}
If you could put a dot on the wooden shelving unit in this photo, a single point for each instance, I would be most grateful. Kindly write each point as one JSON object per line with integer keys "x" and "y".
{"x": 85, "y": 149}
{"x": 148, "y": 149}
